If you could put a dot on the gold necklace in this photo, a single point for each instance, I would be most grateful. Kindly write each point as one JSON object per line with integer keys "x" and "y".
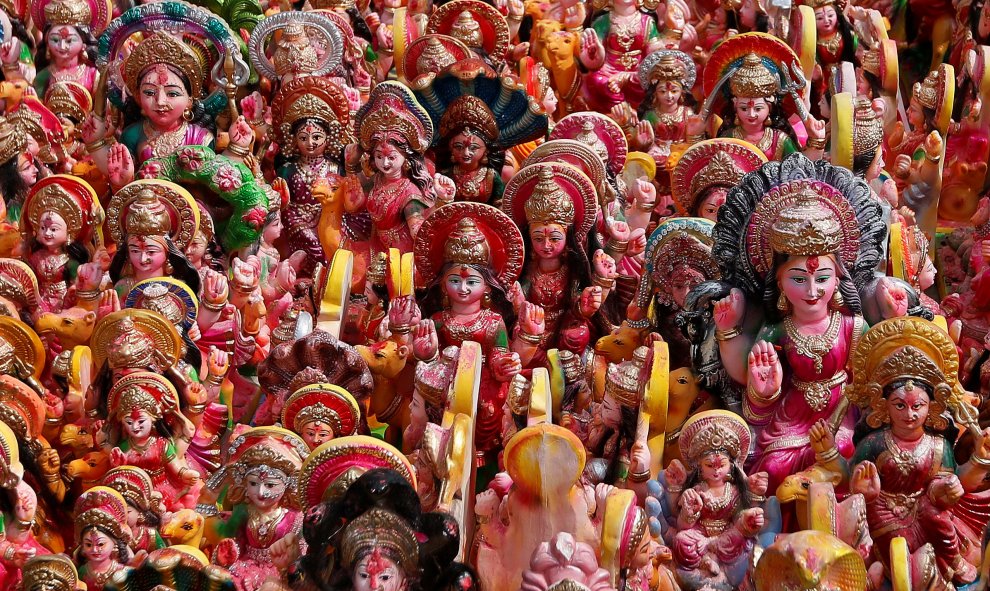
{"x": 163, "y": 143}
{"x": 814, "y": 346}
{"x": 904, "y": 459}
{"x": 832, "y": 43}
{"x": 74, "y": 75}
{"x": 764, "y": 142}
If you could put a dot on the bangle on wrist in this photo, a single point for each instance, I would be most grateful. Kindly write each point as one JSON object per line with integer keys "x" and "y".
{"x": 985, "y": 464}
{"x": 816, "y": 144}
{"x": 727, "y": 335}
{"x": 934, "y": 158}
{"x": 616, "y": 248}
{"x": 90, "y": 148}
{"x": 401, "y": 328}
{"x": 696, "y": 137}
{"x": 603, "y": 282}
{"x": 827, "y": 456}
{"x": 213, "y": 306}
{"x": 238, "y": 150}
{"x": 640, "y": 476}
{"x": 533, "y": 339}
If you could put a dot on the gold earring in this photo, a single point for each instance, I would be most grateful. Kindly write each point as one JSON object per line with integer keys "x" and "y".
{"x": 783, "y": 304}
{"x": 168, "y": 267}
{"x": 187, "y": 115}
{"x": 837, "y": 300}
{"x": 486, "y": 302}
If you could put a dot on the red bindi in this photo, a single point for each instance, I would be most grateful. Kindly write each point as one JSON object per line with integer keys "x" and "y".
{"x": 812, "y": 263}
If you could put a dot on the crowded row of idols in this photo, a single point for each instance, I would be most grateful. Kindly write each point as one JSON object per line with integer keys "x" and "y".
{"x": 536, "y": 295}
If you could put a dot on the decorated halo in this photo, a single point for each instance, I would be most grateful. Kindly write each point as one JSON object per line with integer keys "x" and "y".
{"x": 21, "y": 408}
{"x": 505, "y": 241}
{"x": 146, "y": 295}
{"x": 494, "y": 28}
{"x": 70, "y": 197}
{"x": 715, "y": 429}
{"x": 181, "y": 206}
{"x": 27, "y": 346}
{"x": 162, "y": 332}
{"x": 603, "y": 130}
{"x": 320, "y": 30}
{"x": 730, "y": 54}
{"x": 573, "y": 152}
{"x": 335, "y": 458}
{"x": 696, "y": 171}
{"x": 677, "y": 242}
{"x": 177, "y": 18}
{"x": 647, "y": 68}
{"x": 18, "y": 283}
{"x": 151, "y": 383}
{"x": 577, "y": 186}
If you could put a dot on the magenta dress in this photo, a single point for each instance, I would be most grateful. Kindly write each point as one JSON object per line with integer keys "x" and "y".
{"x": 716, "y": 528}
{"x": 782, "y": 443}
{"x": 255, "y": 562}
{"x": 624, "y": 50}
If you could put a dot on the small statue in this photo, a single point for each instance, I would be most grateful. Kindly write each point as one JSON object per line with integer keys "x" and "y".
{"x": 102, "y": 535}
{"x": 141, "y": 403}
{"x": 720, "y": 516}
{"x": 905, "y": 373}
{"x": 321, "y": 412}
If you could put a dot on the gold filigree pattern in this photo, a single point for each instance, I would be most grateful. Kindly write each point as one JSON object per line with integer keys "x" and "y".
{"x": 54, "y": 572}
{"x": 754, "y": 79}
{"x": 715, "y": 431}
{"x": 384, "y": 530}
{"x": 162, "y": 48}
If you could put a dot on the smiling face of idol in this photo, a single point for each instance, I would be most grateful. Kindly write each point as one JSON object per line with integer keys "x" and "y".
{"x": 808, "y": 283}
{"x": 163, "y": 97}
{"x": 64, "y": 44}
{"x": 908, "y": 409}
{"x": 751, "y": 114}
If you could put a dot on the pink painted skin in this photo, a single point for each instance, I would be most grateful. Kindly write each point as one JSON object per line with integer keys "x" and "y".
{"x": 147, "y": 257}
{"x": 64, "y": 45}
{"x": 52, "y": 231}
{"x": 751, "y": 113}
{"x": 316, "y": 433}
{"x": 98, "y": 549}
{"x": 709, "y": 206}
{"x": 376, "y": 572}
{"x": 389, "y": 160}
{"x": 465, "y": 288}
{"x": 916, "y": 114}
{"x": 808, "y": 283}
{"x": 264, "y": 491}
{"x": 163, "y": 98}
{"x": 826, "y": 21}
{"x": 26, "y": 168}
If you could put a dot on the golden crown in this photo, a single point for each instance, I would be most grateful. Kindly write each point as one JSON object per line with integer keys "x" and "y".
{"x": 137, "y": 398}
{"x": 147, "y": 216}
{"x": 68, "y": 12}
{"x": 867, "y": 129}
{"x": 13, "y": 140}
{"x": 871, "y": 61}
{"x": 294, "y": 52}
{"x": 805, "y": 228}
{"x": 721, "y": 170}
{"x": 668, "y": 69}
{"x": 467, "y": 30}
{"x": 435, "y": 57}
{"x": 714, "y": 437}
{"x": 908, "y": 363}
{"x": 549, "y": 204}
{"x": 926, "y": 92}
{"x": 622, "y": 380}
{"x": 636, "y": 533}
{"x": 588, "y": 137}
{"x": 382, "y": 530}
{"x": 53, "y": 572}
{"x": 467, "y": 245}
{"x": 469, "y": 112}
{"x": 62, "y": 102}
{"x": 753, "y": 79}
{"x": 131, "y": 347}
{"x": 318, "y": 412}
{"x": 163, "y": 48}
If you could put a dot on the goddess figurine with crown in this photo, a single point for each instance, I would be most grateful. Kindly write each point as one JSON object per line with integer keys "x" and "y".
{"x": 145, "y": 410}
{"x": 102, "y": 535}
{"x": 667, "y": 77}
{"x": 166, "y": 79}
{"x": 468, "y": 256}
{"x": 70, "y": 29}
{"x": 751, "y": 77}
{"x": 555, "y": 205}
{"x": 60, "y": 218}
{"x": 262, "y": 466}
{"x": 718, "y": 506}
{"x": 394, "y": 132}
{"x": 905, "y": 376}
{"x": 801, "y": 248}
{"x": 152, "y": 222}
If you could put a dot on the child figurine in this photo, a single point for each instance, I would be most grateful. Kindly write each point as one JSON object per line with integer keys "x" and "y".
{"x": 140, "y": 403}
{"x": 718, "y": 505}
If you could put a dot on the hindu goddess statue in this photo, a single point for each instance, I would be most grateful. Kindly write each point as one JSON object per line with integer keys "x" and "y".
{"x": 102, "y": 535}
{"x": 804, "y": 255}
{"x": 704, "y": 174}
{"x": 905, "y": 377}
{"x": 70, "y": 31}
{"x": 469, "y": 257}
